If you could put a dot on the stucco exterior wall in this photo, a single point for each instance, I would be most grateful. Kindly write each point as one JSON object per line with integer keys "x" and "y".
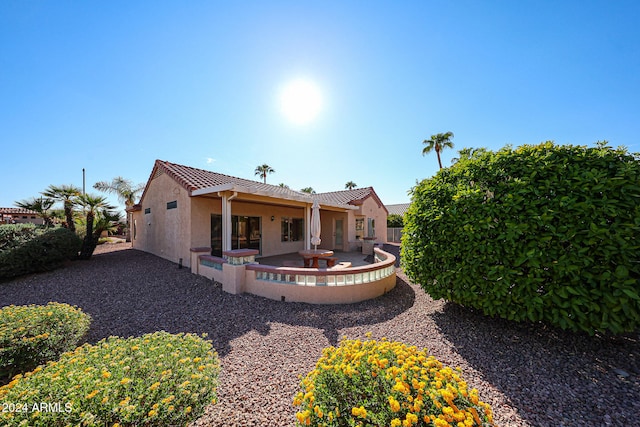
{"x": 162, "y": 231}
{"x": 272, "y": 243}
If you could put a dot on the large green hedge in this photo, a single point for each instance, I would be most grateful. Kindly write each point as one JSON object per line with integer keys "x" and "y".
{"x": 545, "y": 233}
{"x": 43, "y": 252}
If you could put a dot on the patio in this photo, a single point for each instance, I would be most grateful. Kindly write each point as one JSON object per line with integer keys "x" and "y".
{"x": 356, "y": 259}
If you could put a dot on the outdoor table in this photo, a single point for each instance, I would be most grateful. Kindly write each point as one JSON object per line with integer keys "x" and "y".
{"x": 314, "y": 254}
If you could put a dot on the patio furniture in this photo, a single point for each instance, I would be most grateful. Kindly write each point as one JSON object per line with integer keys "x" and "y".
{"x": 312, "y": 256}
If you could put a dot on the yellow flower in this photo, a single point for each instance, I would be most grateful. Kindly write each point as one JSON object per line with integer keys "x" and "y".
{"x": 125, "y": 381}
{"x": 152, "y": 413}
{"x": 359, "y": 412}
{"x": 395, "y": 405}
{"x": 106, "y": 374}
{"x": 396, "y": 422}
{"x": 187, "y": 409}
{"x": 92, "y": 394}
{"x": 154, "y": 386}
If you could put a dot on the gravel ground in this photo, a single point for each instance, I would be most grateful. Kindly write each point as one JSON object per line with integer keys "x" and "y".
{"x": 531, "y": 375}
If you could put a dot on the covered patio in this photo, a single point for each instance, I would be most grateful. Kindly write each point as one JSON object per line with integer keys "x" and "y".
{"x": 356, "y": 259}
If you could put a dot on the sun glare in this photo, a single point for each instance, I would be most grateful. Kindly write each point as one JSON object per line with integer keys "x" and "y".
{"x": 300, "y": 101}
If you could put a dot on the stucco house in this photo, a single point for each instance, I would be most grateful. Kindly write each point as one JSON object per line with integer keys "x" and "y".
{"x": 183, "y": 208}
{"x": 19, "y": 216}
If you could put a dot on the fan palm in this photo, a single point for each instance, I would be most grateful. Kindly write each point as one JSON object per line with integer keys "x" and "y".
{"x": 263, "y": 170}
{"x": 126, "y": 192}
{"x": 92, "y": 205}
{"x": 41, "y": 205}
{"x": 437, "y": 143}
{"x": 350, "y": 185}
{"x": 67, "y": 195}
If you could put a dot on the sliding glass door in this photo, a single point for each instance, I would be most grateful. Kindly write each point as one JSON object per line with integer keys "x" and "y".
{"x": 245, "y": 233}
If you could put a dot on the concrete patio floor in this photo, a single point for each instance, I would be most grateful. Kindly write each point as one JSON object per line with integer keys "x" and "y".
{"x": 355, "y": 258}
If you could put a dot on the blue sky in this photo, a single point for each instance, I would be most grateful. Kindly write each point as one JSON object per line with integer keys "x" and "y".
{"x": 112, "y": 86}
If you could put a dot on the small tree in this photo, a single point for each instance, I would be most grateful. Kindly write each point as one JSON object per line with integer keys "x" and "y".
{"x": 438, "y": 142}
{"x": 41, "y": 205}
{"x": 308, "y": 190}
{"x": 350, "y": 185}
{"x": 126, "y": 192}
{"x": 93, "y": 205}
{"x": 263, "y": 170}
{"x": 67, "y": 194}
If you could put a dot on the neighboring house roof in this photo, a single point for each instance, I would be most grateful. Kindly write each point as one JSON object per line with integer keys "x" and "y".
{"x": 398, "y": 209}
{"x": 17, "y": 211}
{"x": 199, "y": 182}
{"x": 353, "y": 197}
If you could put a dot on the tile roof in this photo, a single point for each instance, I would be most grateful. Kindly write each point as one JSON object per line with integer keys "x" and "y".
{"x": 193, "y": 179}
{"x": 398, "y": 209}
{"x": 17, "y": 211}
{"x": 349, "y": 197}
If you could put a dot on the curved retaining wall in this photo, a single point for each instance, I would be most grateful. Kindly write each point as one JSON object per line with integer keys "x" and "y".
{"x": 323, "y": 286}
{"x": 238, "y": 273}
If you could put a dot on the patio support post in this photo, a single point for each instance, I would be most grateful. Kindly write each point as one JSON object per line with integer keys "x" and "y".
{"x": 226, "y": 221}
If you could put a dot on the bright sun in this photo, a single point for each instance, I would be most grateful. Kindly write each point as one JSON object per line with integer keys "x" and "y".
{"x": 300, "y": 101}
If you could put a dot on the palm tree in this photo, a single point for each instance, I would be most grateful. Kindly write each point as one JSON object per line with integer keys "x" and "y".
{"x": 350, "y": 185}
{"x": 125, "y": 190}
{"x": 41, "y": 205}
{"x": 263, "y": 171}
{"x": 283, "y": 185}
{"x": 67, "y": 195}
{"x": 308, "y": 190}
{"x": 92, "y": 204}
{"x": 437, "y": 143}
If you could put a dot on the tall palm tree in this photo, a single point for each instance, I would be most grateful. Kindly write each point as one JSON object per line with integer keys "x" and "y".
{"x": 92, "y": 204}
{"x": 263, "y": 171}
{"x": 124, "y": 189}
{"x": 67, "y": 195}
{"x": 350, "y": 185}
{"x": 41, "y": 205}
{"x": 437, "y": 143}
{"x": 126, "y": 192}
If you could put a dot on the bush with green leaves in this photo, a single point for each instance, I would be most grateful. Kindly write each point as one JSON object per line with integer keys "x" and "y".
{"x": 31, "y": 335}
{"x": 157, "y": 379}
{"x": 44, "y": 252}
{"x": 383, "y": 383}
{"x": 540, "y": 233}
{"x": 14, "y": 235}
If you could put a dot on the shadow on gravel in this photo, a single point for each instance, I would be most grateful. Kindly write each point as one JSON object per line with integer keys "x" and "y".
{"x": 130, "y": 293}
{"x": 551, "y": 376}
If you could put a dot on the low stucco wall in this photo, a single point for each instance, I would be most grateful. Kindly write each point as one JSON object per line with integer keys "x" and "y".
{"x": 328, "y": 286}
{"x": 293, "y": 284}
{"x": 318, "y": 294}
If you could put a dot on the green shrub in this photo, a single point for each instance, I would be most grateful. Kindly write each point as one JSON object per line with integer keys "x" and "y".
{"x": 44, "y": 252}
{"x": 14, "y": 235}
{"x": 386, "y": 384}
{"x": 158, "y": 379}
{"x": 541, "y": 233}
{"x": 34, "y": 334}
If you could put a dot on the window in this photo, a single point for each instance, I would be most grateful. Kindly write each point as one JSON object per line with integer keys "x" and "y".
{"x": 359, "y": 228}
{"x": 172, "y": 205}
{"x": 292, "y": 229}
{"x": 147, "y": 211}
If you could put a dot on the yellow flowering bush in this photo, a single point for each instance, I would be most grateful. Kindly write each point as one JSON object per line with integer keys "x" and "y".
{"x": 383, "y": 383}
{"x": 31, "y": 335}
{"x": 154, "y": 380}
